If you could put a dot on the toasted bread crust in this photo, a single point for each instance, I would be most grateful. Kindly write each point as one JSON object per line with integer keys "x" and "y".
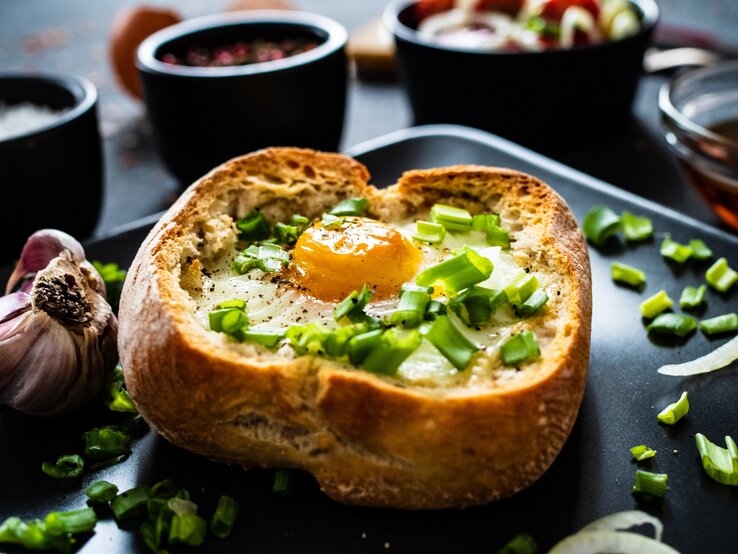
{"x": 368, "y": 440}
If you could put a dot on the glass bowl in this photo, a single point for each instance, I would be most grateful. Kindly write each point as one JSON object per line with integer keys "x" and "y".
{"x": 699, "y": 113}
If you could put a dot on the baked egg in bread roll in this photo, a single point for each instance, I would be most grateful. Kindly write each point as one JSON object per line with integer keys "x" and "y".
{"x": 420, "y": 346}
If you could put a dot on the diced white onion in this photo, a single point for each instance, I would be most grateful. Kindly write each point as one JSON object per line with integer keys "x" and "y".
{"x": 717, "y": 359}
{"x": 625, "y": 520}
{"x": 577, "y": 19}
{"x": 614, "y": 542}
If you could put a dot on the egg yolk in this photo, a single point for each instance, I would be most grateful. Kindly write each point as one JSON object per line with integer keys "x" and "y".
{"x": 331, "y": 263}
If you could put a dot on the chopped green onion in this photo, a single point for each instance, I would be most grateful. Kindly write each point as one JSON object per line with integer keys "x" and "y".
{"x": 520, "y": 348}
{"x": 131, "y": 504}
{"x": 674, "y": 411}
{"x": 650, "y": 484}
{"x": 329, "y": 221}
{"x": 534, "y": 303}
{"x": 287, "y": 234}
{"x": 167, "y": 488}
{"x": 268, "y": 257}
{"x": 543, "y": 27}
{"x": 300, "y": 221}
{"x": 600, "y": 224}
{"x": 101, "y": 491}
{"x": 477, "y": 304}
{"x": 692, "y": 296}
{"x": 307, "y": 339}
{"x": 490, "y": 224}
{"x": 720, "y": 463}
{"x": 224, "y": 517}
{"x": 480, "y": 222}
{"x": 394, "y": 346}
{"x": 264, "y": 337}
{"x": 700, "y": 250}
{"x": 635, "y": 227}
{"x": 361, "y": 345}
{"x": 673, "y": 324}
{"x": 254, "y": 226}
{"x": 654, "y": 305}
{"x": 283, "y": 482}
{"x": 350, "y": 206}
{"x": 76, "y": 521}
{"x": 642, "y": 452}
{"x": 457, "y": 273}
{"x": 117, "y": 398}
{"x": 353, "y": 305}
{"x": 151, "y": 537}
{"x": 230, "y": 318}
{"x": 65, "y": 467}
{"x": 454, "y": 346}
{"x": 434, "y": 309}
{"x": 188, "y": 528}
{"x": 680, "y": 253}
{"x": 33, "y": 535}
{"x": 336, "y": 341}
{"x": 411, "y": 308}
{"x": 521, "y": 288}
{"x": 113, "y": 277}
{"x": 623, "y": 273}
{"x": 432, "y": 233}
{"x": 721, "y": 276}
{"x": 106, "y": 442}
{"x": 451, "y": 217}
{"x": 720, "y": 324}
{"x": 520, "y": 544}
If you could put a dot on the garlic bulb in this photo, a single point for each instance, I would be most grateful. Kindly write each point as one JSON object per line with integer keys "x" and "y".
{"x": 57, "y": 332}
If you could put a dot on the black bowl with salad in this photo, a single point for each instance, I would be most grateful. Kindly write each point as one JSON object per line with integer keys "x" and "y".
{"x": 535, "y": 71}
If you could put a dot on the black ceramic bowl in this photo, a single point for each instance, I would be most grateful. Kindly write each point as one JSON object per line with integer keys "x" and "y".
{"x": 531, "y": 97}
{"x": 51, "y": 176}
{"x": 203, "y": 116}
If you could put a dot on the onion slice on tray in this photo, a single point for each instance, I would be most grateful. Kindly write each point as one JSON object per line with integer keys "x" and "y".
{"x": 626, "y": 520}
{"x": 717, "y": 359}
{"x": 618, "y": 542}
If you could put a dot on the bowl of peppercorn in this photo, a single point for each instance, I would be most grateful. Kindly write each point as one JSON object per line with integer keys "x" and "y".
{"x": 222, "y": 85}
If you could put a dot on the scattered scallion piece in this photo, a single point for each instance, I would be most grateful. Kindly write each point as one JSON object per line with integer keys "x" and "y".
{"x": 521, "y": 288}
{"x": 254, "y": 226}
{"x": 600, "y": 224}
{"x": 532, "y": 304}
{"x": 117, "y": 398}
{"x": 671, "y": 249}
{"x": 76, "y": 521}
{"x": 410, "y": 310}
{"x": 186, "y": 526}
{"x": 520, "y": 544}
{"x": 229, "y": 317}
{"x": 285, "y": 233}
{"x": 329, "y": 221}
{"x": 353, "y": 305}
{"x": 721, "y": 464}
{"x": 264, "y": 337}
{"x": 130, "y": 504}
{"x": 299, "y": 221}
{"x": 490, "y": 224}
{"x": 457, "y": 273}
{"x": 692, "y": 297}
{"x": 520, "y": 348}
{"x": 623, "y": 273}
{"x": 642, "y": 452}
{"x": 360, "y": 345}
{"x": 113, "y": 277}
{"x": 33, "y": 535}
{"x": 636, "y": 227}
{"x": 266, "y": 256}
{"x": 477, "y": 304}
{"x": 434, "y": 309}
{"x": 336, "y": 341}
{"x": 65, "y": 467}
{"x": 283, "y": 482}
{"x": 455, "y": 347}
{"x": 700, "y": 250}
{"x": 721, "y": 276}
{"x": 673, "y": 324}
{"x": 480, "y": 222}
{"x": 654, "y": 305}
{"x": 350, "y": 206}
{"x": 720, "y": 324}
{"x": 101, "y": 491}
{"x": 674, "y": 411}
{"x": 394, "y": 346}
{"x": 426, "y": 231}
{"x": 650, "y": 484}
{"x": 224, "y": 517}
{"x": 106, "y": 442}
{"x": 451, "y": 217}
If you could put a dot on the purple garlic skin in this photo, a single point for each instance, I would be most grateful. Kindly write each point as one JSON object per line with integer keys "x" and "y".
{"x": 57, "y": 332}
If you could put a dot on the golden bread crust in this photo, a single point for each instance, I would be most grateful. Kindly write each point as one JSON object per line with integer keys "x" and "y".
{"x": 367, "y": 439}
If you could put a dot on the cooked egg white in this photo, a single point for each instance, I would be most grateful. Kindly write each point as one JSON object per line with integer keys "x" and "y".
{"x": 277, "y": 301}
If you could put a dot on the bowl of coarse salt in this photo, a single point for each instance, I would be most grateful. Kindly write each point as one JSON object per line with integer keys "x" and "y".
{"x": 51, "y": 169}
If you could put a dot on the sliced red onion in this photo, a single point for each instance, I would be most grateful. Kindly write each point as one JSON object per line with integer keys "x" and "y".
{"x": 717, "y": 359}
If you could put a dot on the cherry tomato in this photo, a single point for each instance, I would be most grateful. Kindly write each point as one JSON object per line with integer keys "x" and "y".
{"x": 426, "y": 8}
{"x": 511, "y": 7}
{"x": 553, "y": 10}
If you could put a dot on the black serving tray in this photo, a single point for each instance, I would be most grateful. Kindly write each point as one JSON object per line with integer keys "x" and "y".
{"x": 591, "y": 477}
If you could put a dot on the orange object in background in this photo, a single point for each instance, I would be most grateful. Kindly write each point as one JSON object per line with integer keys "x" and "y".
{"x": 130, "y": 27}
{"x": 238, "y": 5}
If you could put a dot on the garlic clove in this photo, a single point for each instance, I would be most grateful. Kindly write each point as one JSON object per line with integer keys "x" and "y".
{"x": 12, "y": 305}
